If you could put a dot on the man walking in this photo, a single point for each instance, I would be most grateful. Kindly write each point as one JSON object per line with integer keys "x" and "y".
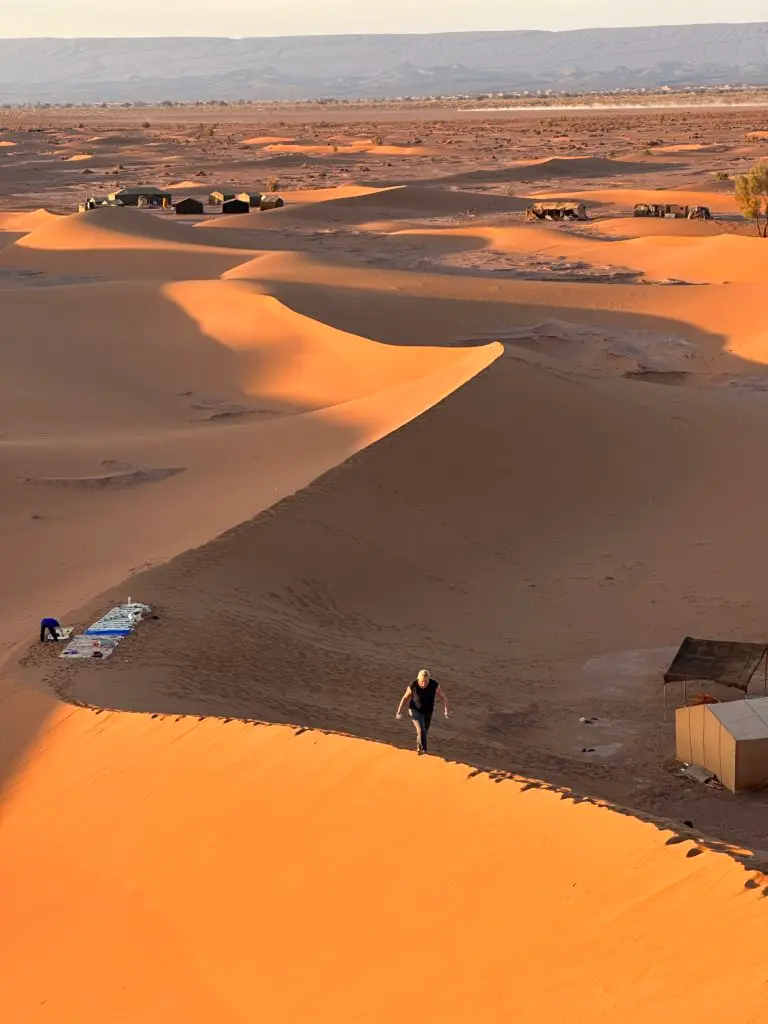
{"x": 420, "y": 696}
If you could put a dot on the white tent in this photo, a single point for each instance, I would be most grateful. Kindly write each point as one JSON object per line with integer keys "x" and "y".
{"x": 730, "y": 740}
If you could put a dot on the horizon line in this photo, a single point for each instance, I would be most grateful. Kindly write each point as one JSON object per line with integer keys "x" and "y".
{"x": 380, "y": 35}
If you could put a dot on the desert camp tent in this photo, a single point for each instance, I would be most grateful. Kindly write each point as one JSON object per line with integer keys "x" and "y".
{"x": 730, "y": 740}
{"x": 556, "y": 210}
{"x": 141, "y": 195}
{"x": 218, "y": 197}
{"x": 673, "y": 211}
{"x": 190, "y": 205}
{"x": 235, "y": 206}
{"x": 272, "y": 202}
{"x": 252, "y": 198}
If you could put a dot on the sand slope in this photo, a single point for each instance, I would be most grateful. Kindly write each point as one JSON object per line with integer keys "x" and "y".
{"x": 696, "y": 257}
{"x": 279, "y": 829}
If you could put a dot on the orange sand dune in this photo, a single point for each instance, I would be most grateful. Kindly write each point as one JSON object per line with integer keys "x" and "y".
{"x": 322, "y": 195}
{"x": 700, "y": 260}
{"x": 573, "y": 166}
{"x": 506, "y": 514}
{"x": 279, "y": 829}
{"x": 403, "y": 201}
{"x": 718, "y": 202}
{"x": 642, "y": 227}
{"x": 197, "y": 186}
{"x": 111, "y": 227}
{"x": 6, "y": 145}
{"x": 80, "y": 156}
{"x": 404, "y": 150}
{"x": 125, "y": 244}
{"x": 416, "y": 308}
{"x": 322, "y": 149}
{"x": 26, "y": 221}
{"x": 263, "y": 140}
{"x": 685, "y": 147}
{"x": 208, "y": 337}
{"x": 363, "y": 146}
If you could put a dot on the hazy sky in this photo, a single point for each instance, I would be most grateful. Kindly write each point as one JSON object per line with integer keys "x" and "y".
{"x": 309, "y": 17}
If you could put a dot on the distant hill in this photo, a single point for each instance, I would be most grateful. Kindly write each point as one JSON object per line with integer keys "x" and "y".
{"x": 312, "y": 67}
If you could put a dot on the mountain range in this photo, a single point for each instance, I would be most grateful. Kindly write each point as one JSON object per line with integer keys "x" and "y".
{"x": 381, "y": 66}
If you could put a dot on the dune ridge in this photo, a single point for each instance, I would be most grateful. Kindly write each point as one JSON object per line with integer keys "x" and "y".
{"x": 225, "y": 787}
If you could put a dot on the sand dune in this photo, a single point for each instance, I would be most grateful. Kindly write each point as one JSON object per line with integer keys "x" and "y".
{"x": 642, "y": 227}
{"x": 316, "y": 816}
{"x": 135, "y": 348}
{"x": 718, "y": 202}
{"x": 125, "y": 244}
{"x": 400, "y": 202}
{"x": 701, "y": 259}
{"x": 407, "y": 307}
{"x": 193, "y": 186}
{"x": 111, "y": 228}
{"x": 263, "y": 140}
{"x": 361, "y": 146}
{"x": 327, "y": 457}
{"x": 26, "y": 221}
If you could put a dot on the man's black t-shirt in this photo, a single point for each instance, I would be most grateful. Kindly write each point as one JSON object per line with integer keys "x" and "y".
{"x": 423, "y": 697}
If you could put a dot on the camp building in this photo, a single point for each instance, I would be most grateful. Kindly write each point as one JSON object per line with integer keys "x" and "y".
{"x": 729, "y": 739}
{"x": 556, "y": 210}
{"x": 187, "y": 206}
{"x": 271, "y": 202}
{"x": 140, "y": 195}
{"x": 218, "y": 197}
{"x": 235, "y": 206}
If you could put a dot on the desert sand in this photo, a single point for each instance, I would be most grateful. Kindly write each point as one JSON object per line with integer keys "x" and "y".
{"x": 389, "y": 425}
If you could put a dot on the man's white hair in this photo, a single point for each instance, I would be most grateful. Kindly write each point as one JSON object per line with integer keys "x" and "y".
{"x": 423, "y": 674}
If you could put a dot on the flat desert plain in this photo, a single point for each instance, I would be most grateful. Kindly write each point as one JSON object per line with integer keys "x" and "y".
{"x": 390, "y": 425}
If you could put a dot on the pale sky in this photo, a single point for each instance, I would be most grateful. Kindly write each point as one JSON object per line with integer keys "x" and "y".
{"x": 67, "y": 18}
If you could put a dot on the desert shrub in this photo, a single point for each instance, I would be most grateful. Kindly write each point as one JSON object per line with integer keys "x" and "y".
{"x": 272, "y": 184}
{"x": 145, "y": 124}
{"x": 722, "y": 176}
{"x": 752, "y": 196}
{"x": 509, "y": 190}
{"x": 377, "y": 140}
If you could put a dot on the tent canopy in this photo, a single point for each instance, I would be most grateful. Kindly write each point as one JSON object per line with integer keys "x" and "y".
{"x": 720, "y": 661}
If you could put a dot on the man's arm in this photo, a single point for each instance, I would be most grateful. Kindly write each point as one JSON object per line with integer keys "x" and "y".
{"x": 444, "y": 699}
{"x": 406, "y": 697}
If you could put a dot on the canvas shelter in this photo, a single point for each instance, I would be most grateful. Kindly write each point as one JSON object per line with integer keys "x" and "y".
{"x": 189, "y": 205}
{"x": 252, "y": 198}
{"x": 727, "y": 662}
{"x": 218, "y": 197}
{"x": 670, "y": 210}
{"x": 235, "y": 206}
{"x": 271, "y": 202}
{"x": 556, "y": 210}
{"x": 730, "y": 740}
{"x": 140, "y": 195}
